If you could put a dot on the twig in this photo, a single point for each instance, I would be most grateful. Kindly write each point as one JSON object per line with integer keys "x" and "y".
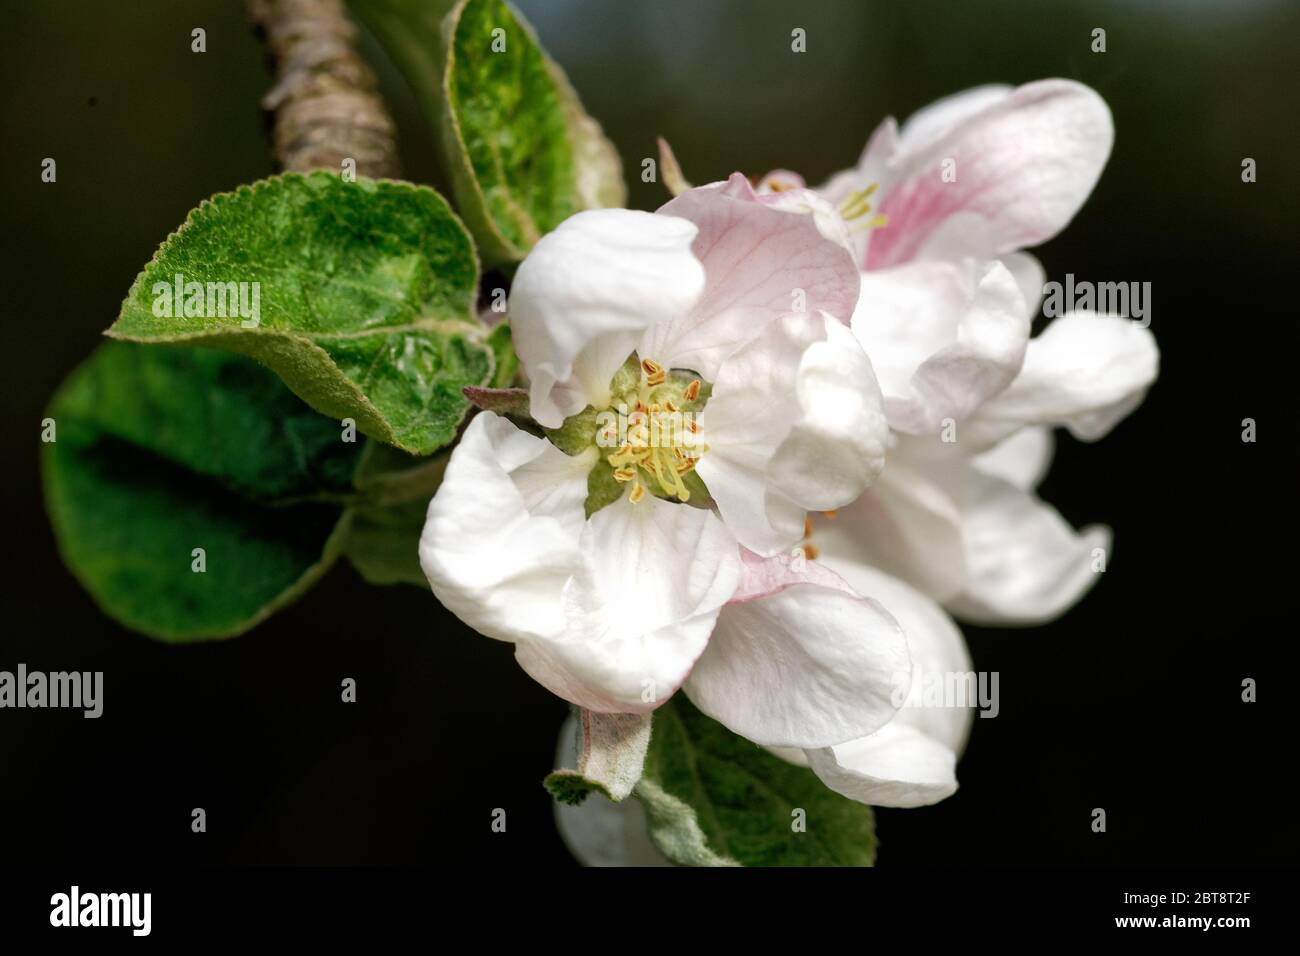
{"x": 325, "y": 102}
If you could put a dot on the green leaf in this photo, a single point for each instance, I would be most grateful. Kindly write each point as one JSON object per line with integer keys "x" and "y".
{"x": 365, "y": 299}
{"x": 384, "y": 543}
{"x": 503, "y": 353}
{"x": 713, "y": 798}
{"x": 386, "y": 523}
{"x": 160, "y": 451}
{"x": 521, "y": 152}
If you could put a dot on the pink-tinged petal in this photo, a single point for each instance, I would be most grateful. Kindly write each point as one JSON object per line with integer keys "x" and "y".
{"x": 762, "y": 577}
{"x": 778, "y": 181}
{"x": 586, "y": 294}
{"x": 911, "y": 761}
{"x": 640, "y": 608}
{"x": 794, "y": 424}
{"x": 1084, "y": 371}
{"x": 757, "y": 259}
{"x": 931, "y": 123}
{"x": 782, "y": 189}
{"x": 1027, "y": 565}
{"x": 806, "y": 202}
{"x": 1024, "y": 164}
{"x": 946, "y": 336}
{"x": 501, "y": 536}
{"x": 808, "y": 663}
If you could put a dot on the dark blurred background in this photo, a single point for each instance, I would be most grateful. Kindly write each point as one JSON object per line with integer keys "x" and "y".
{"x": 1131, "y": 702}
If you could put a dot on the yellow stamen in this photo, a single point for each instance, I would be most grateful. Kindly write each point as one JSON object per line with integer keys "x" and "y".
{"x": 661, "y": 439}
{"x": 856, "y": 205}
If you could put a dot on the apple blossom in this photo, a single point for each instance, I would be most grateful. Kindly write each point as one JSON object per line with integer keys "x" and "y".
{"x": 936, "y": 216}
{"x": 624, "y": 562}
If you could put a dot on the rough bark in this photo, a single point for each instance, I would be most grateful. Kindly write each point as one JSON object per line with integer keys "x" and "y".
{"x": 325, "y": 104}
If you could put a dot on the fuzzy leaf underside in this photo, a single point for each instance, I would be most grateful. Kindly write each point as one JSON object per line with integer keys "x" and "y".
{"x": 713, "y": 798}
{"x": 611, "y": 757}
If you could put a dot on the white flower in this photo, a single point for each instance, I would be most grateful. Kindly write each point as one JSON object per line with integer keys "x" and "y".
{"x": 675, "y": 582}
{"x": 936, "y": 216}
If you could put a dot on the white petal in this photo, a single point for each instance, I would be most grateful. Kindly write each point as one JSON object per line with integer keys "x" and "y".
{"x": 836, "y": 448}
{"x": 794, "y": 423}
{"x": 587, "y": 292}
{"x": 1027, "y": 565}
{"x": 897, "y": 767}
{"x": 799, "y": 660}
{"x": 911, "y": 761}
{"x": 1084, "y": 371}
{"x": 907, "y": 313}
{"x": 1029, "y": 275}
{"x": 640, "y": 608}
{"x": 908, "y": 525}
{"x": 1022, "y": 459}
{"x": 501, "y": 536}
{"x": 948, "y": 336}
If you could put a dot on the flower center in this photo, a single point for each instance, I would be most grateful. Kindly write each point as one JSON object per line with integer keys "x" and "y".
{"x": 653, "y": 429}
